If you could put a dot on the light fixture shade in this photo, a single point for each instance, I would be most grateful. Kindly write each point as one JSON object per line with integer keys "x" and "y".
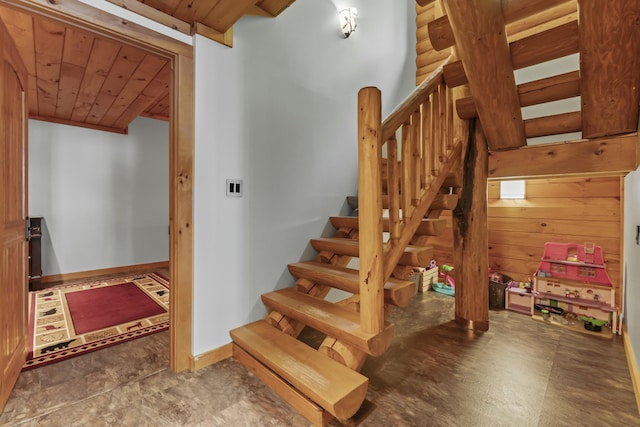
{"x": 348, "y": 20}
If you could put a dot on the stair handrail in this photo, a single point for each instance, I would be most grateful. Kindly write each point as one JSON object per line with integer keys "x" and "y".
{"x": 424, "y": 122}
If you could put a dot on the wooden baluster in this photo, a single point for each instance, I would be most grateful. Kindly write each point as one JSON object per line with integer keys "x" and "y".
{"x": 437, "y": 134}
{"x": 444, "y": 124}
{"x": 424, "y": 129}
{"x": 370, "y": 209}
{"x": 450, "y": 118}
{"x": 415, "y": 157}
{"x": 424, "y": 144}
{"x": 444, "y": 117}
{"x": 427, "y": 134}
{"x": 405, "y": 162}
{"x": 393, "y": 189}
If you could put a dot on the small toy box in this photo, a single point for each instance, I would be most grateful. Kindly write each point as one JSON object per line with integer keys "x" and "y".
{"x": 519, "y": 300}
{"x": 424, "y": 278}
{"x": 429, "y": 277}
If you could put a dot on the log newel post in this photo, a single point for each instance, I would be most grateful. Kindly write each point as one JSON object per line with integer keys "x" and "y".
{"x": 470, "y": 237}
{"x": 370, "y": 210}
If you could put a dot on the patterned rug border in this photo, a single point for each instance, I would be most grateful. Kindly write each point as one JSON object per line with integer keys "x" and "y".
{"x": 63, "y": 353}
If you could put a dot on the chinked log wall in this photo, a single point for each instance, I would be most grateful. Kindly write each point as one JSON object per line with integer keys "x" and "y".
{"x": 555, "y": 210}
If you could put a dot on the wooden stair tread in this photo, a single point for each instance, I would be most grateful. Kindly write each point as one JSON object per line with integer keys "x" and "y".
{"x": 396, "y": 292}
{"x": 427, "y": 227}
{"x": 328, "y": 318}
{"x": 328, "y": 383}
{"x": 417, "y": 256}
{"x": 442, "y": 202}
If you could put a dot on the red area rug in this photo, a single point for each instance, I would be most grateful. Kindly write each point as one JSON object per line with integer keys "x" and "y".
{"x": 70, "y": 320}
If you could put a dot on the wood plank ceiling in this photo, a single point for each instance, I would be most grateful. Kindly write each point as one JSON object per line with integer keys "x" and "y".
{"x": 80, "y": 79}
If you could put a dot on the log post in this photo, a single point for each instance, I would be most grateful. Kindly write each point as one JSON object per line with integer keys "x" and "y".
{"x": 479, "y": 28}
{"x": 370, "y": 210}
{"x": 470, "y": 242}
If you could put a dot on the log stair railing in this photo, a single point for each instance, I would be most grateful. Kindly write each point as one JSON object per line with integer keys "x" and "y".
{"x": 399, "y": 201}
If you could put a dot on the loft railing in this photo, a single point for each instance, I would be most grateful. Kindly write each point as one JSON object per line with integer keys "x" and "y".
{"x": 419, "y": 142}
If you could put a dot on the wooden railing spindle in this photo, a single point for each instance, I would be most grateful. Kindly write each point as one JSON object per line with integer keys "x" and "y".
{"x": 424, "y": 144}
{"x": 437, "y": 135}
{"x": 415, "y": 158}
{"x": 393, "y": 189}
{"x": 450, "y": 118}
{"x": 442, "y": 123}
{"x": 406, "y": 191}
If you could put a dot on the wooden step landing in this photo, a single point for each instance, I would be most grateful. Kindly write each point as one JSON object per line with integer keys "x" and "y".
{"x": 396, "y": 292}
{"x": 417, "y": 256}
{"x": 328, "y": 383}
{"x": 427, "y": 227}
{"x": 328, "y": 318}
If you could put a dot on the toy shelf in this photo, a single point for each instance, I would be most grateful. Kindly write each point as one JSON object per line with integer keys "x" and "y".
{"x": 575, "y": 301}
{"x": 577, "y": 263}
{"x": 576, "y": 327}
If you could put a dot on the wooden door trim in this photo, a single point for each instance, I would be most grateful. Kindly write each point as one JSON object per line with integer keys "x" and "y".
{"x": 181, "y": 150}
{"x": 15, "y": 305}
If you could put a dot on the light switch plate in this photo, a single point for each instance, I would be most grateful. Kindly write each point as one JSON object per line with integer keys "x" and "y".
{"x": 234, "y": 188}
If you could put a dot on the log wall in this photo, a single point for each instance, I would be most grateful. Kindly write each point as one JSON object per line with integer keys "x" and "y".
{"x": 578, "y": 210}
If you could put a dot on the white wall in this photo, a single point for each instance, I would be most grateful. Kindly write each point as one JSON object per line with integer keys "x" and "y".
{"x": 279, "y": 111}
{"x": 632, "y": 260}
{"x": 104, "y": 196}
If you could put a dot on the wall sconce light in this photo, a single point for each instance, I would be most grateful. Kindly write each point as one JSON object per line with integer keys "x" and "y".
{"x": 348, "y": 20}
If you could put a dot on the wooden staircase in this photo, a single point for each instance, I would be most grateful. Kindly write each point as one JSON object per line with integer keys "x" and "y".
{"x": 402, "y": 193}
{"x": 400, "y": 199}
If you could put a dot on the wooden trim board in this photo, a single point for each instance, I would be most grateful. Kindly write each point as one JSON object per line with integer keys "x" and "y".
{"x": 89, "y": 274}
{"x": 614, "y": 155}
{"x": 211, "y": 357}
{"x": 633, "y": 366}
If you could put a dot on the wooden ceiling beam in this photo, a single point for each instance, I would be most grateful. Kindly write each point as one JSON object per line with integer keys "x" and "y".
{"x": 603, "y": 156}
{"x": 551, "y": 44}
{"x": 545, "y": 46}
{"x": 226, "y": 13}
{"x": 274, "y": 7}
{"x": 553, "y": 125}
{"x": 256, "y": 10}
{"x": 515, "y": 10}
{"x": 543, "y": 20}
{"x": 610, "y": 66}
{"x": 225, "y": 38}
{"x": 479, "y": 28}
{"x": 553, "y": 15}
{"x": 551, "y": 89}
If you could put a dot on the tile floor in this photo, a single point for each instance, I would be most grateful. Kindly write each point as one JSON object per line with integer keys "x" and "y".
{"x": 519, "y": 373}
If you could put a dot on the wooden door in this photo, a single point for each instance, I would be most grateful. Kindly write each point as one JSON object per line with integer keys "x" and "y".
{"x": 13, "y": 211}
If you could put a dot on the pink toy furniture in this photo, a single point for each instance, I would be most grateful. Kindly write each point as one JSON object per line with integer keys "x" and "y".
{"x": 573, "y": 280}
